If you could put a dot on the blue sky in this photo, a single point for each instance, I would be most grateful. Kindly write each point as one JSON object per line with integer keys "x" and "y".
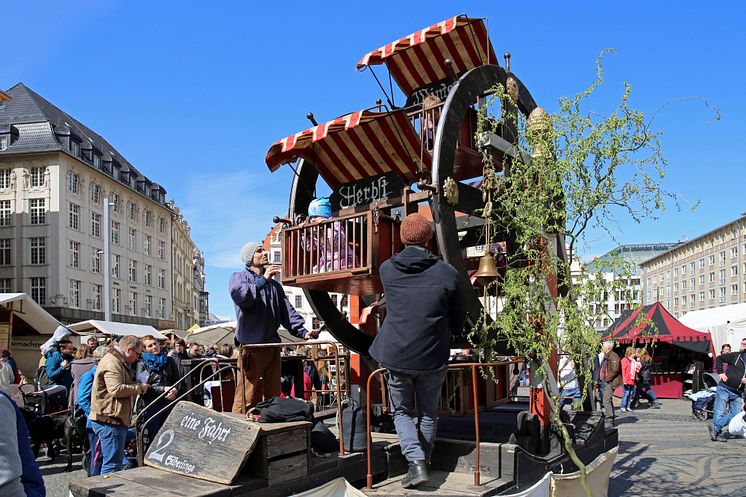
{"x": 193, "y": 94}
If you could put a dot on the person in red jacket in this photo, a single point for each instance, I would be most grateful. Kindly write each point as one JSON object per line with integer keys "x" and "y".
{"x": 629, "y": 371}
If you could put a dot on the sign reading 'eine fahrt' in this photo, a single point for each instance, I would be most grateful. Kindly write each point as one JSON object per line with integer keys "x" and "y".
{"x": 202, "y": 443}
{"x": 366, "y": 191}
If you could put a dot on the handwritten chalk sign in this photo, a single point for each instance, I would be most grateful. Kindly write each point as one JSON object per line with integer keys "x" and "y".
{"x": 201, "y": 443}
{"x": 366, "y": 191}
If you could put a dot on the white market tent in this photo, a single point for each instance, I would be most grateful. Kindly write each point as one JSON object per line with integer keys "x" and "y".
{"x": 94, "y": 326}
{"x": 726, "y": 324}
{"x": 223, "y": 333}
{"x": 28, "y": 310}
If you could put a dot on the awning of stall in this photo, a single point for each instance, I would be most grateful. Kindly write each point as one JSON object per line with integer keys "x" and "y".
{"x": 37, "y": 319}
{"x": 355, "y": 146}
{"x": 94, "y": 326}
{"x": 418, "y": 60}
{"x": 654, "y": 323}
{"x": 224, "y": 333}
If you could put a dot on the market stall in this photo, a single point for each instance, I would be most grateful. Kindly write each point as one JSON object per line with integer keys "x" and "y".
{"x": 679, "y": 352}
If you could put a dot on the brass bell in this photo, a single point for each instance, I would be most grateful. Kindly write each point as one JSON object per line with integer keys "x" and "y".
{"x": 487, "y": 267}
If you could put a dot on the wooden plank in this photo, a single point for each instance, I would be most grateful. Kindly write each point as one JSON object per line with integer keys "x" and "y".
{"x": 286, "y": 443}
{"x": 114, "y": 486}
{"x": 201, "y": 443}
{"x": 287, "y": 468}
{"x": 174, "y": 483}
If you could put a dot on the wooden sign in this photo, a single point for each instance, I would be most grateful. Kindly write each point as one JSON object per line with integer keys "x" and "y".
{"x": 202, "y": 443}
{"x": 366, "y": 191}
{"x": 440, "y": 89}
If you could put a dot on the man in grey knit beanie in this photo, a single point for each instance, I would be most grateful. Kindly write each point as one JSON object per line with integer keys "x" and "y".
{"x": 261, "y": 308}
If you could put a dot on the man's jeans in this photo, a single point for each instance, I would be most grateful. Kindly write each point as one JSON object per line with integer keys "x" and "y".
{"x": 416, "y": 441}
{"x": 725, "y": 397}
{"x": 113, "y": 439}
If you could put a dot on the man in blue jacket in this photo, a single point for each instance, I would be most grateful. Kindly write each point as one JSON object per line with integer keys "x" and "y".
{"x": 261, "y": 308}
{"x": 58, "y": 364}
{"x": 424, "y": 304}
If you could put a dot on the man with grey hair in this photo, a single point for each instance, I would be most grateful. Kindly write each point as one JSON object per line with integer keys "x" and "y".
{"x": 611, "y": 373}
{"x": 261, "y": 308}
{"x": 111, "y": 403}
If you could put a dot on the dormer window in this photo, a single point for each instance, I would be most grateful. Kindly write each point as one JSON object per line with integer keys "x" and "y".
{"x": 96, "y": 161}
{"x": 4, "y": 142}
{"x": 74, "y": 148}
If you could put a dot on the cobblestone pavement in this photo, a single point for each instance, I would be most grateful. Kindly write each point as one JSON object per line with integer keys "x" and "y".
{"x": 662, "y": 452}
{"x": 667, "y": 452}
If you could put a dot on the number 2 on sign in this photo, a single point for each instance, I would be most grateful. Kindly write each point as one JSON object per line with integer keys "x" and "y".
{"x": 161, "y": 444}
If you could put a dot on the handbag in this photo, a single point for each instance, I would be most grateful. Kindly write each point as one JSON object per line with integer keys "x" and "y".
{"x": 354, "y": 427}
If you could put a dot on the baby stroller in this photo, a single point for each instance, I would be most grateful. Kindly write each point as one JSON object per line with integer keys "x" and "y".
{"x": 704, "y": 400}
{"x": 50, "y": 400}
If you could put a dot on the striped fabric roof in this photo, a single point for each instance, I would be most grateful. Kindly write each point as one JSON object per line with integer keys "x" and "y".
{"x": 355, "y": 146}
{"x": 418, "y": 60}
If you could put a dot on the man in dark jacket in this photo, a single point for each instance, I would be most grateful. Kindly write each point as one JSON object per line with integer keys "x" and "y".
{"x": 424, "y": 304}
{"x": 261, "y": 307}
{"x": 729, "y": 391}
{"x": 611, "y": 372}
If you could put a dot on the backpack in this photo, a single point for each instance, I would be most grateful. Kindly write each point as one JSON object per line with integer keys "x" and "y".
{"x": 353, "y": 427}
{"x": 278, "y": 410}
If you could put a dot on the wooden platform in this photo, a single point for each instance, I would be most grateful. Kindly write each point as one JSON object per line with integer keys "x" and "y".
{"x": 442, "y": 484}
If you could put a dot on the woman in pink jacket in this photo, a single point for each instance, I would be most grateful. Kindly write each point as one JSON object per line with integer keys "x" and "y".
{"x": 629, "y": 371}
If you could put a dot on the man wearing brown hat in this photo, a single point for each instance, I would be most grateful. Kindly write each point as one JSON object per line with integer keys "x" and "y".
{"x": 424, "y": 304}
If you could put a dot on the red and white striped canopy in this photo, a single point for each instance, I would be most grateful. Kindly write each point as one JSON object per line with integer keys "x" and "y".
{"x": 418, "y": 60}
{"x": 355, "y": 146}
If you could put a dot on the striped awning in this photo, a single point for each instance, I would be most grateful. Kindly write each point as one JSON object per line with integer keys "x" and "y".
{"x": 355, "y": 146}
{"x": 418, "y": 60}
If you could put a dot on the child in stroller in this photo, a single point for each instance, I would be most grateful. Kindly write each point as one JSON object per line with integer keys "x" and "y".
{"x": 703, "y": 400}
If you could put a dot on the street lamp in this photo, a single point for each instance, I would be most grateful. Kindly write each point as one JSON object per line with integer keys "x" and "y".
{"x": 107, "y": 258}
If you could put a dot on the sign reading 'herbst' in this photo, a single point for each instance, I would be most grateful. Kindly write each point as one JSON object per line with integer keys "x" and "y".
{"x": 366, "y": 191}
{"x": 202, "y": 443}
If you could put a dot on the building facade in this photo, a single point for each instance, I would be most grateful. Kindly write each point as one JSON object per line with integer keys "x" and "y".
{"x": 708, "y": 271}
{"x": 186, "y": 311}
{"x": 55, "y": 174}
{"x": 627, "y": 282}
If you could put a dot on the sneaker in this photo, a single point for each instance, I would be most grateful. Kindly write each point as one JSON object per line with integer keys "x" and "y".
{"x": 623, "y": 409}
{"x": 713, "y": 433}
{"x": 656, "y": 405}
{"x": 416, "y": 475}
{"x": 721, "y": 438}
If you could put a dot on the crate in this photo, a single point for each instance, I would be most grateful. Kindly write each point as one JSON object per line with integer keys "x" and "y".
{"x": 281, "y": 453}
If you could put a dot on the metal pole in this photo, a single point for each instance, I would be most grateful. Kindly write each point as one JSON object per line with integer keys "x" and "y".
{"x": 107, "y": 259}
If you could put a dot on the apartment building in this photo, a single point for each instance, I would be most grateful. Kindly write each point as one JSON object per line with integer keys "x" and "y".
{"x": 707, "y": 271}
{"x": 54, "y": 176}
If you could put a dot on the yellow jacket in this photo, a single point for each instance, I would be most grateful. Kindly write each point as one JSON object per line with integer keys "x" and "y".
{"x": 113, "y": 388}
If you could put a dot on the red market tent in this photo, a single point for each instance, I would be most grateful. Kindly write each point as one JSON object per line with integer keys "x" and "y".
{"x": 654, "y": 323}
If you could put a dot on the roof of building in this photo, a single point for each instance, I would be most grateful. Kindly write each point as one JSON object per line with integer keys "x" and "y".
{"x": 38, "y": 122}
{"x": 636, "y": 253}
{"x": 742, "y": 217}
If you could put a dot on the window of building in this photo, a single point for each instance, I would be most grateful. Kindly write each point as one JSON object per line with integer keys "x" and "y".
{"x": 298, "y": 301}
{"x": 38, "y": 250}
{"x": 6, "y": 285}
{"x": 116, "y": 201}
{"x": 38, "y": 210}
{"x": 97, "y": 161}
{"x": 676, "y": 272}
{"x": 722, "y": 258}
{"x": 95, "y": 193}
{"x": 692, "y": 267}
{"x": 702, "y": 263}
{"x": 4, "y": 178}
{"x": 96, "y": 297}
{"x": 733, "y": 252}
{"x": 162, "y": 308}
{"x": 37, "y": 176}
{"x": 147, "y": 245}
{"x": 75, "y": 254}
{"x": 683, "y": 284}
{"x": 74, "y": 217}
{"x": 711, "y": 294}
{"x": 132, "y": 232}
{"x": 132, "y": 210}
{"x": 683, "y": 300}
{"x": 115, "y": 266}
{"x": 5, "y": 214}
{"x": 116, "y": 300}
{"x": 722, "y": 294}
{"x": 95, "y": 260}
{"x": 133, "y": 271}
{"x": 712, "y": 276}
{"x": 75, "y": 294}
{"x": 5, "y": 244}
{"x": 701, "y": 279}
{"x": 722, "y": 276}
{"x": 161, "y": 225}
{"x": 683, "y": 270}
{"x": 676, "y": 301}
{"x": 676, "y": 287}
{"x": 73, "y": 182}
{"x": 733, "y": 271}
{"x": 692, "y": 283}
{"x": 39, "y": 290}
{"x": 4, "y": 141}
{"x": 74, "y": 148}
{"x": 161, "y": 278}
{"x": 148, "y": 218}
{"x": 162, "y": 250}
{"x": 95, "y": 225}
{"x": 276, "y": 256}
{"x": 734, "y": 289}
{"x": 148, "y": 305}
{"x": 133, "y": 304}
{"x": 148, "y": 274}
{"x": 115, "y": 227}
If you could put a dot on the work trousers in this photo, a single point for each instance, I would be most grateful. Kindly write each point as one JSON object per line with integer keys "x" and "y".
{"x": 261, "y": 380}
{"x": 416, "y": 439}
{"x": 608, "y": 400}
